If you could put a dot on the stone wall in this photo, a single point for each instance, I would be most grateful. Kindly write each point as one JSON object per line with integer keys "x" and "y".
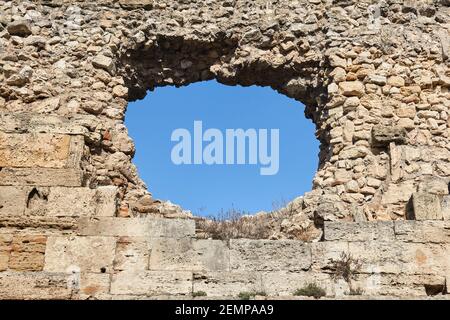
{"x": 76, "y": 221}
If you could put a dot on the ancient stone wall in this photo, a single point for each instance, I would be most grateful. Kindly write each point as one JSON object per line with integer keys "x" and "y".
{"x": 76, "y": 221}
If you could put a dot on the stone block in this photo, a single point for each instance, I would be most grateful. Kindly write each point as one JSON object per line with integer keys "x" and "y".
{"x": 189, "y": 254}
{"x": 27, "y": 253}
{"x": 132, "y": 254}
{"x": 137, "y": 227}
{"x": 269, "y": 255}
{"x": 13, "y": 200}
{"x": 400, "y": 285}
{"x": 382, "y": 136}
{"x": 76, "y": 202}
{"x": 37, "y": 225}
{"x": 44, "y": 150}
{"x": 5, "y": 250}
{"x": 152, "y": 283}
{"x": 358, "y": 231}
{"x": 227, "y": 284}
{"x": 445, "y": 207}
{"x": 398, "y": 193}
{"x": 93, "y": 285}
{"x": 400, "y": 257}
{"x": 426, "y": 206}
{"x": 422, "y": 231}
{"x": 34, "y": 285}
{"x": 323, "y": 253}
{"x": 41, "y": 176}
{"x": 87, "y": 254}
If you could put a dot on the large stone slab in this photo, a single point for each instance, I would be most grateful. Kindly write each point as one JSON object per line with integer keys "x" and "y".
{"x": 323, "y": 253}
{"x": 41, "y": 176}
{"x": 34, "y": 285}
{"x": 269, "y": 255}
{"x": 132, "y": 254}
{"x": 44, "y": 150}
{"x": 39, "y": 123}
{"x": 137, "y": 227}
{"x": 426, "y": 206}
{"x": 86, "y": 254}
{"x": 422, "y": 231}
{"x": 189, "y": 254}
{"x": 152, "y": 283}
{"x": 358, "y": 231}
{"x": 401, "y": 257}
{"x": 227, "y": 284}
{"x": 76, "y": 202}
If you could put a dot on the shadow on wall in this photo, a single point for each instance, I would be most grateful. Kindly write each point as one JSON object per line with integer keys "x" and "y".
{"x": 184, "y": 146}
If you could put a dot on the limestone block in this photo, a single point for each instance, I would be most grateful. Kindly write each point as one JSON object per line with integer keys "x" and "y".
{"x": 74, "y": 202}
{"x": 131, "y": 4}
{"x": 152, "y": 283}
{"x": 37, "y": 225}
{"x": 44, "y": 150}
{"x": 41, "y": 176}
{"x": 5, "y": 250}
{"x": 399, "y": 285}
{"x": 422, "y": 231}
{"x": 398, "y": 193}
{"x": 269, "y": 255}
{"x": 282, "y": 283}
{"x": 27, "y": 253}
{"x": 87, "y": 254}
{"x": 400, "y": 257}
{"x": 34, "y": 285}
{"x": 434, "y": 185}
{"x": 227, "y": 284}
{"x": 358, "y": 231}
{"x": 324, "y": 252}
{"x": 445, "y": 207}
{"x": 39, "y": 123}
{"x": 189, "y": 254}
{"x": 13, "y": 200}
{"x": 93, "y": 285}
{"x": 132, "y": 254}
{"x": 137, "y": 227}
{"x": 382, "y": 136}
{"x": 426, "y": 206}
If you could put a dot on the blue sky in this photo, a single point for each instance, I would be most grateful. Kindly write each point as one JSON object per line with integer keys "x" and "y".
{"x": 208, "y": 189}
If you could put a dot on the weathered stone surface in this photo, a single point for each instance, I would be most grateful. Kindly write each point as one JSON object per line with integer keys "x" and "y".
{"x": 359, "y": 231}
{"x": 352, "y": 88}
{"x": 27, "y": 253}
{"x": 422, "y": 231}
{"x": 93, "y": 285}
{"x": 137, "y": 227}
{"x": 445, "y": 207}
{"x": 21, "y": 28}
{"x": 323, "y": 254}
{"x": 227, "y": 284}
{"x": 75, "y": 202}
{"x": 269, "y": 255}
{"x": 13, "y": 200}
{"x": 152, "y": 283}
{"x": 87, "y": 254}
{"x": 34, "y": 150}
{"x": 400, "y": 257}
{"x": 426, "y": 206}
{"x": 189, "y": 254}
{"x": 41, "y": 176}
{"x": 34, "y": 285}
{"x": 104, "y": 62}
{"x": 132, "y": 254}
{"x": 383, "y": 135}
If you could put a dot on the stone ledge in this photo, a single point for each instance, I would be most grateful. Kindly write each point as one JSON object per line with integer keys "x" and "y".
{"x": 359, "y": 231}
{"x": 34, "y": 285}
{"x": 137, "y": 227}
{"x": 269, "y": 255}
{"x": 152, "y": 283}
{"x": 46, "y": 177}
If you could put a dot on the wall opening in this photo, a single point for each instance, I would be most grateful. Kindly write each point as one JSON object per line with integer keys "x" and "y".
{"x": 208, "y": 189}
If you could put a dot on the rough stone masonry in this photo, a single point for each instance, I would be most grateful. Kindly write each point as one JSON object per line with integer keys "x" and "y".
{"x": 77, "y": 222}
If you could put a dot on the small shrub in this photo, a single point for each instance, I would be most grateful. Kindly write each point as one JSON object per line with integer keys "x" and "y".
{"x": 199, "y": 294}
{"x": 345, "y": 267}
{"x": 311, "y": 290}
{"x": 246, "y": 295}
{"x": 355, "y": 292}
